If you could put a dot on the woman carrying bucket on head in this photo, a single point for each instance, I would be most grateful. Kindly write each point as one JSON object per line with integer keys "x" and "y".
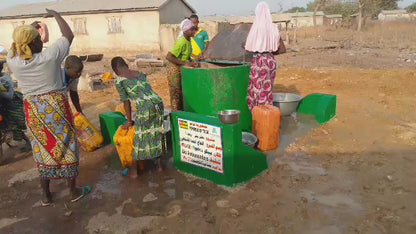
{"x": 265, "y": 42}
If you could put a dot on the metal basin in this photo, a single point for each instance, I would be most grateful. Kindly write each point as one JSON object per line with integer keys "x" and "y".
{"x": 287, "y": 102}
{"x": 229, "y": 116}
{"x": 249, "y": 139}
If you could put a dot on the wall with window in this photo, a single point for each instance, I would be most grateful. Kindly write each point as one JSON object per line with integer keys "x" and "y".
{"x": 100, "y": 33}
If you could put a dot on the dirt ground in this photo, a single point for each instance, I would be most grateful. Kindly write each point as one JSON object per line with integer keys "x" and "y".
{"x": 354, "y": 174}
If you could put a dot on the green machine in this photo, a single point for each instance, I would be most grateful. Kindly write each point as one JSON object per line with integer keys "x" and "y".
{"x": 322, "y": 106}
{"x": 219, "y": 86}
{"x": 109, "y": 123}
{"x": 204, "y": 147}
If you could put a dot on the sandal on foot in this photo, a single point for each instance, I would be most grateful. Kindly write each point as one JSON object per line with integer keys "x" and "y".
{"x": 125, "y": 172}
{"x": 45, "y": 204}
{"x": 85, "y": 191}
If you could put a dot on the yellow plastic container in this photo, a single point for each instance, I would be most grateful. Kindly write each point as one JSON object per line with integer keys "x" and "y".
{"x": 88, "y": 136}
{"x": 120, "y": 108}
{"x": 124, "y": 141}
{"x": 107, "y": 77}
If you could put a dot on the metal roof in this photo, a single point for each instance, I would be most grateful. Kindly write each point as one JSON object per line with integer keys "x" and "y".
{"x": 82, "y": 6}
{"x": 333, "y": 16}
{"x": 394, "y": 12}
{"x": 244, "y": 19}
{"x": 306, "y": 14}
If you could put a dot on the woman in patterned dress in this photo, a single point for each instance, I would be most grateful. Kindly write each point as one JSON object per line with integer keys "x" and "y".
{"x": 48, "y": 115}
{"x": 133, "y": 86}
{"x": 265, "y": 42}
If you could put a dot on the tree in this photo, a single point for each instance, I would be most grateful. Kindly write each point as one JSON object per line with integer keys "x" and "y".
{"x": 411, "y": 8}
{"x": 315, "y": 6}
{"x": 361, "y": 4}
{"x": 311, "y": 5}
{"x": 388, "y": 4}
{"x": 296, "y": 9}
{"x": 344, "y": 8}
{"x": 371, "y": 8}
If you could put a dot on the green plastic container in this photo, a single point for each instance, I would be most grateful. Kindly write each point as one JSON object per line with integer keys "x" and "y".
{"x": 322, "y": 106}
{"x": 210, "y": 90}
{"x": 109, "y": 123}
{"x": 239, "y": 162}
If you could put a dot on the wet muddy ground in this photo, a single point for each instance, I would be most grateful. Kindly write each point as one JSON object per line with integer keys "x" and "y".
{"x": 354, "y": 174}
{"x": 119, "y": 204}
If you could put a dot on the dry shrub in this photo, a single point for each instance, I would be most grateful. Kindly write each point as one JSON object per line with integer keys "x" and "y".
{"x": 393, "y": 35}
{"x": 311, "y": 32}
{"x": 327, "y": 33}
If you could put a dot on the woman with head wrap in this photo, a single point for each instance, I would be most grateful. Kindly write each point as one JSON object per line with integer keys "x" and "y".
{"x": 48, "y": 115}
{"x": 181, "y": 25}
{"x": 179, "y": 56}
{"x": 265, "y": 42}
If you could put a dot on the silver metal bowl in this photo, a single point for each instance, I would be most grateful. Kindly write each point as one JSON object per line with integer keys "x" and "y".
{"x": 249, "y": 139}
{"x": 229, "y": 116}
{"x": 287, "y": 102}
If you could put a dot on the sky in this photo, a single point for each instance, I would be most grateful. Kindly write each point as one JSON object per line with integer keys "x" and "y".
{"x": 220, "y": 7}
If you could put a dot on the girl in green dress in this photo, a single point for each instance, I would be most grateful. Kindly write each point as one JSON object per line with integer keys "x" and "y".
{"x": 148, "y": 123}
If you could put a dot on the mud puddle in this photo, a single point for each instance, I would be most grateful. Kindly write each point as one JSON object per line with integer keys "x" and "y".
{"x": 291, "y": 127}
{"x": 152, "y": 191}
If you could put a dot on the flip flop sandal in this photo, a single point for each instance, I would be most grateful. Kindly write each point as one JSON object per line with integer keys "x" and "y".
{"x": 85, "y": 191}
{"x": 45, "y": 204}
{"x": 125, "y": 172}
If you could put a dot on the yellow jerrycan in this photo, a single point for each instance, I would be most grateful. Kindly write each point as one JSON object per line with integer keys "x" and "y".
{"x": 88, "y": 136}
{"x": 120, "y": 108}
{"x": 124, "y": 141}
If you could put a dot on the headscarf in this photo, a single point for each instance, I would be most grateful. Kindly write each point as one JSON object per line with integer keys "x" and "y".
{"x": 22, "y": 37}
{"x": 43, "y": 31}
{"x": 187, "y": 24}
{"x": 181, "y": 33}
{"x": 264, "y": 35}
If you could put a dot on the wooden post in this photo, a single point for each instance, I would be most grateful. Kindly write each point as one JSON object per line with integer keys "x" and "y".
{"x": 287, "y": 34}
{"x": 294, "y": 36}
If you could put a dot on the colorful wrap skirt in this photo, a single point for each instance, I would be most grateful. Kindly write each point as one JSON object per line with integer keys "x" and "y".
{"x": 52, "y": 134}
{"x": 262, "y": 76}
{"x": 175, "y": 87}
{"x": 148, "y": 132}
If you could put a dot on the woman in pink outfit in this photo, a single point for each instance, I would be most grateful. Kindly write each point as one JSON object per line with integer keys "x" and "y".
{"x": 265, "y": 42}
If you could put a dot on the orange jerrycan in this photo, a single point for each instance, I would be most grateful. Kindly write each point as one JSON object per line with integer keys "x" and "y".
{"x": 266, "y": 124}
{"x": 124, "y": 141}
{"x": 88, "y": 136}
